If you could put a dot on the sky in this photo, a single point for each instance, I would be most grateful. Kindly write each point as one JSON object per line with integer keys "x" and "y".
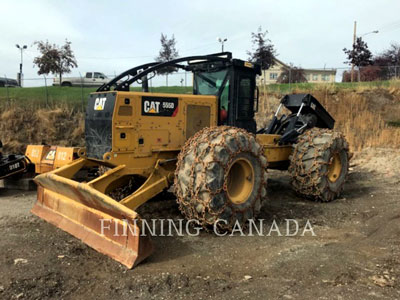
{"x": 113, "y": 36}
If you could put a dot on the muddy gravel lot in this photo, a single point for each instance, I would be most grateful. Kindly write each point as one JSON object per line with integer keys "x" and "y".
{"x": 354, "y": 255}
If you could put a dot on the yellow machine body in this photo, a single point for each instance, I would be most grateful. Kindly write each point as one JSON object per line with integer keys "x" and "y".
{"x": 142, "y": 144}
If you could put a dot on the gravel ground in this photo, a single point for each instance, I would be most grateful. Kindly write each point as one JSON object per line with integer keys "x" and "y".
{"x": 354, "y": 255}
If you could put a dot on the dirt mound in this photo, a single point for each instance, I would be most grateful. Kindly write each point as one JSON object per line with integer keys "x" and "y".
{"x": 362, "y": 114}
{"x": 20, "y": 126}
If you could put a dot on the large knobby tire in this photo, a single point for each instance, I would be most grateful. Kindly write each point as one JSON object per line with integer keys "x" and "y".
{"x": 319, "y": 164}
{"x": 221, "y": 176}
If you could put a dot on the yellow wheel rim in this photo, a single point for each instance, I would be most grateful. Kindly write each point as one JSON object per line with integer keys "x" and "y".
{"x": 334, "y": 168}
{"x": 240, "y": 181}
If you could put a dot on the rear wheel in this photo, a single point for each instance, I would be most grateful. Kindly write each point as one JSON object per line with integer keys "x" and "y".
{"x": 220, "y": 176}
{"x": 319, "y": 164}
{"x": 66, "y": 83}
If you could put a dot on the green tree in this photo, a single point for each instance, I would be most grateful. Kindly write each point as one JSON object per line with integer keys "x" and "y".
{"x": 263, "y": 52}
{"x": 292, "y": 75}
{"x": 359, "y": 55}
{"x": 55, "y": 59}
{"x": 167, "y": 53}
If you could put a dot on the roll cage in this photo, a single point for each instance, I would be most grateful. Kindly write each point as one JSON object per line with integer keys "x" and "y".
{"x": 194, "y": 63}
{"x": 234, "y": 86}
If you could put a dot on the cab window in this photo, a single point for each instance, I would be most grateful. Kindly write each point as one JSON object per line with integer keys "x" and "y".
{"x": 210, "y": 83}
{"x": 245, "y": 101}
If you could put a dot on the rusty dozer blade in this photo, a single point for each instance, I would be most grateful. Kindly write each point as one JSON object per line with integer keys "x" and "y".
{"x": 90, "y": 215}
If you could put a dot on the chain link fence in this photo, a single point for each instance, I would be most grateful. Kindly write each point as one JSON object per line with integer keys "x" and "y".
{"x": 177, "y": 82}
{"x": 371, "y": 73}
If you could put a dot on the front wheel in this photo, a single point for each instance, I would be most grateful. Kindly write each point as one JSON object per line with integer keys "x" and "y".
{"x": 319, "y": 164}
{"x": 220, "y": 177}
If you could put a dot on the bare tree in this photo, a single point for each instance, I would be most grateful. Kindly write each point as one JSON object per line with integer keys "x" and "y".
{"x": 389, "y": 62}
{"x": 167, "y": 53}
{"x": 55, "y": 59}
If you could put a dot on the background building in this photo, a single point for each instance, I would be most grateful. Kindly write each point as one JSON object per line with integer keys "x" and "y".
{"x": 312, "y": 75}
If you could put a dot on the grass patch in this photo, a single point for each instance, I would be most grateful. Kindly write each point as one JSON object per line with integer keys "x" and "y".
{"x": 41, "y": 97}
{"x": 168, "y": 89}
{"x": 75, "y": 97}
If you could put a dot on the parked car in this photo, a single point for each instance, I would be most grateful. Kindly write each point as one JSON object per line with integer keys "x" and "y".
{"x": 8, "y": 82}
{"x": 90, "y": 79}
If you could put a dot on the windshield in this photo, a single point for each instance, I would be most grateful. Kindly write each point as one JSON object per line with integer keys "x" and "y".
{"x": 209, "y": 83}
{"x": 99, "y": 75}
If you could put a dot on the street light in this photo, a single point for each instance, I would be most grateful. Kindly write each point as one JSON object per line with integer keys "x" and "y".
{"x": 354, "y": 42}
{"x": 375, "y": 31}
{"x": 222, "y": 41}
{"x": 20, "y": 65}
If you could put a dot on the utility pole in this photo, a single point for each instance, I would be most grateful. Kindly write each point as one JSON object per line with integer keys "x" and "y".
{"x": 222, "y": 41}
{"x": 354, "y": 42}
{"x": 20, "y": 65}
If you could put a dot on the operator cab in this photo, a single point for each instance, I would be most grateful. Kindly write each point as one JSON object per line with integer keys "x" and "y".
{"x": 234, "y": 83}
